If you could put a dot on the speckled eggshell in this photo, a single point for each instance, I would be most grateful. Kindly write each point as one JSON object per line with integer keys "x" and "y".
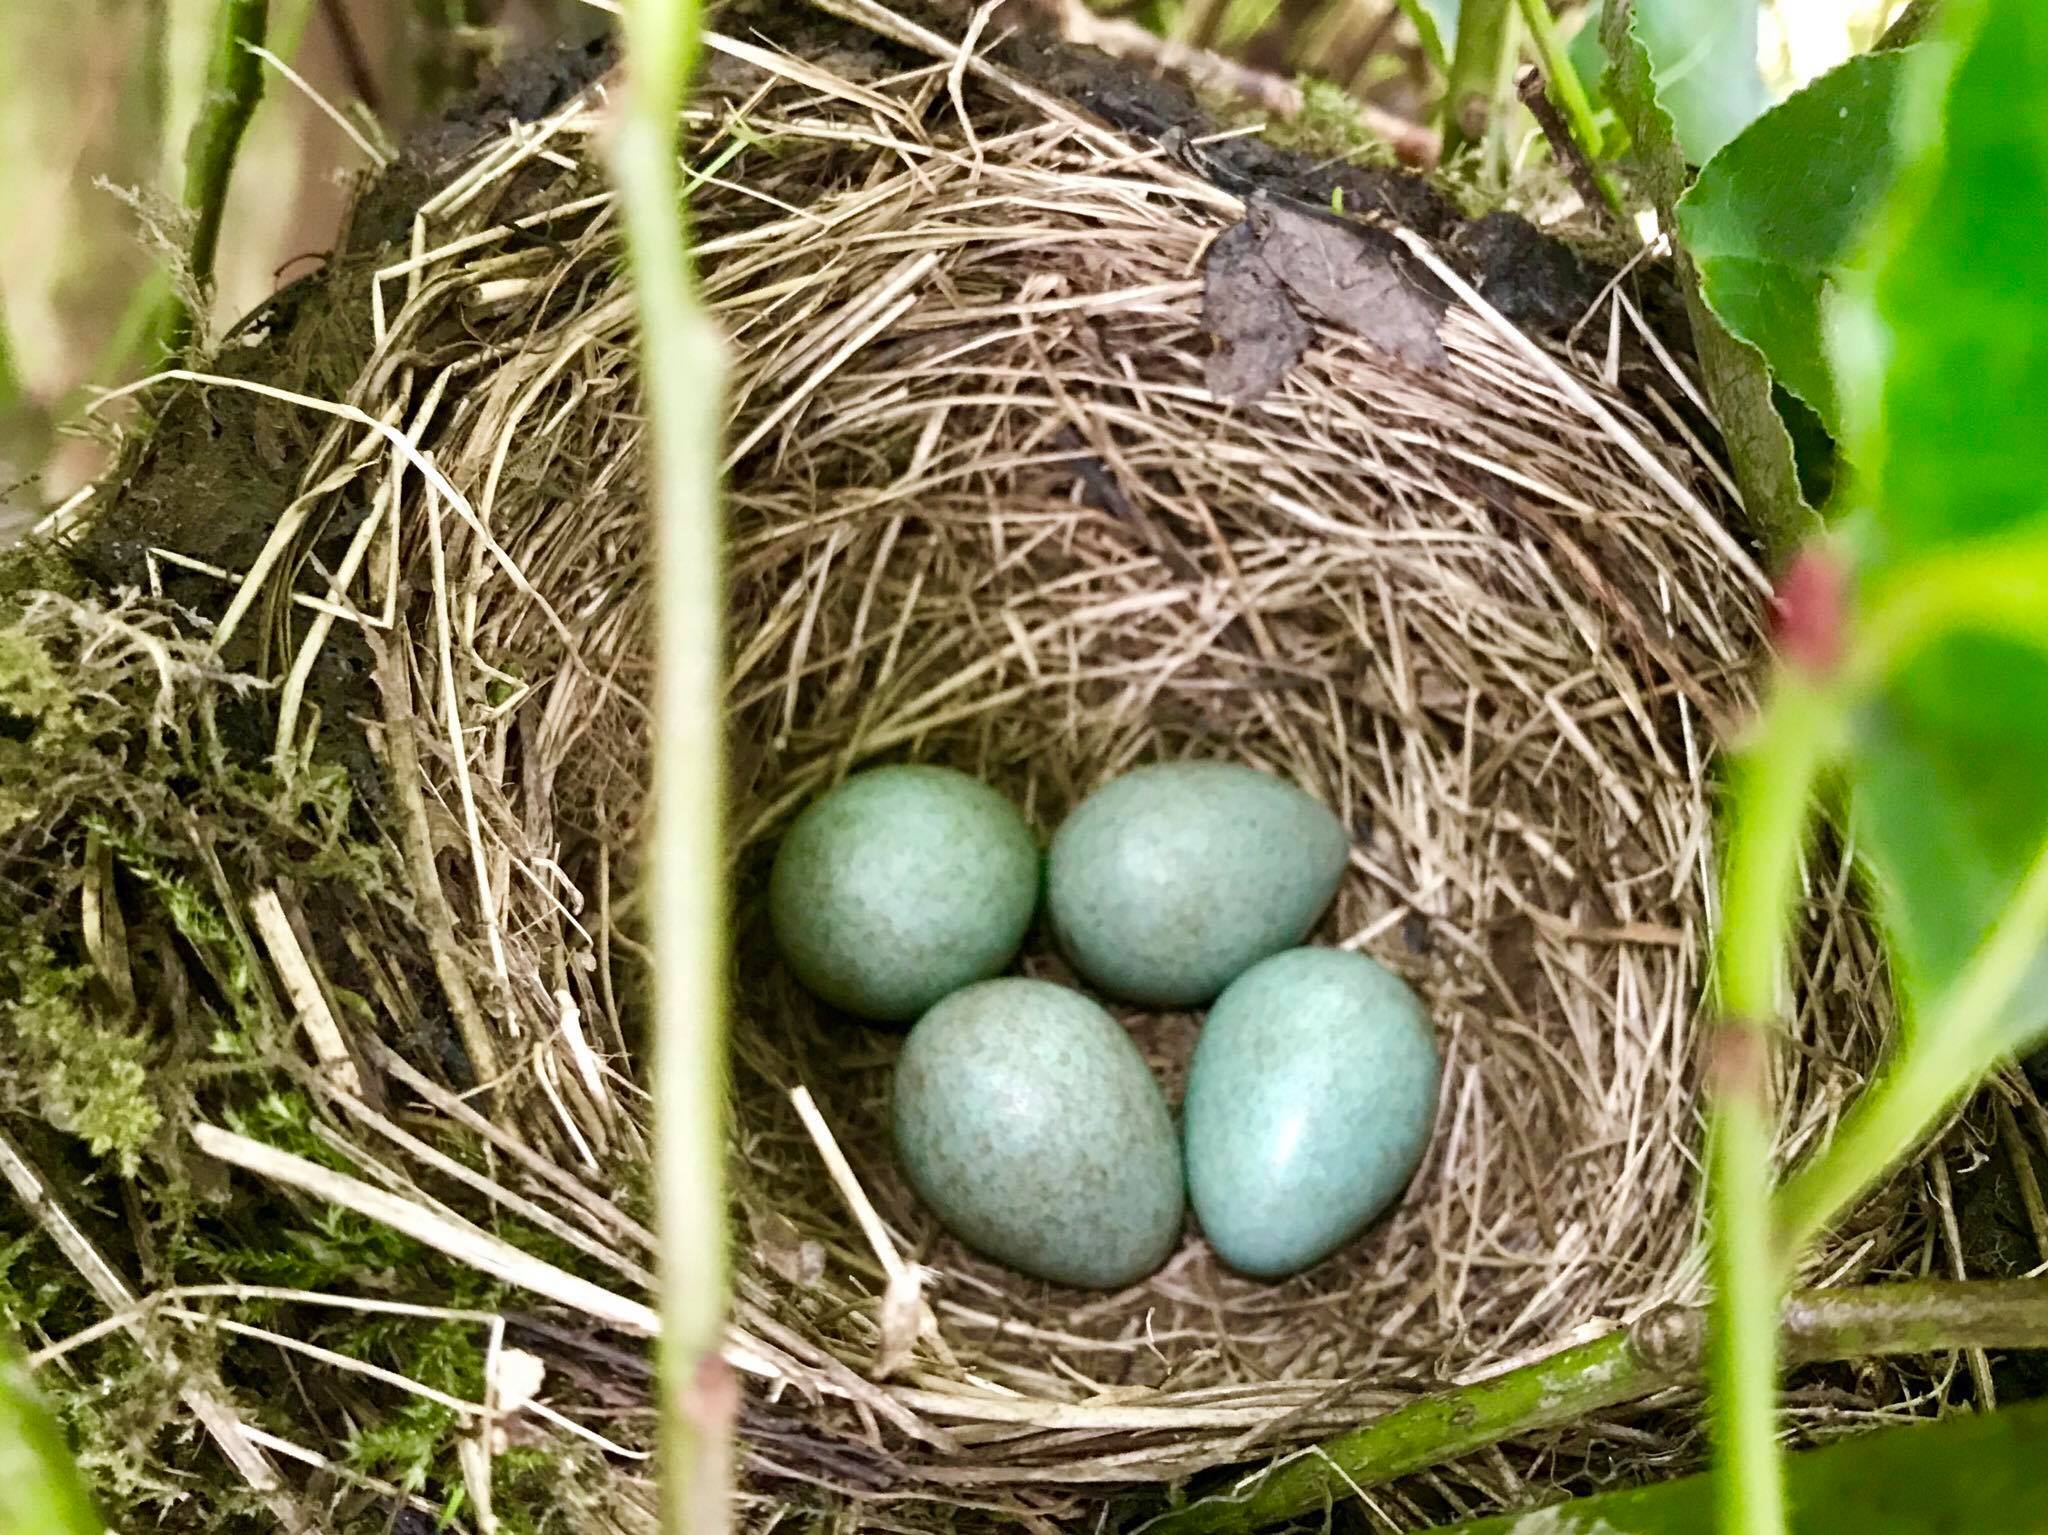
{"x": 1309, "y": 1104}
{"x": 1166, "y": 883}
{"x": 901, "y": 885}
{"x": 1029, "y": 1123}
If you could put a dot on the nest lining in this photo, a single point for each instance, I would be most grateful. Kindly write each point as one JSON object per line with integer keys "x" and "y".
{"x": 985, "y": 511}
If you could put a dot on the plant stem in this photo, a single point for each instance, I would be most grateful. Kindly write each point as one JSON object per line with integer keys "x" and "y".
{"x": 1771, "y": 789}
{"x": 1942, "y": 1056}
{"x": 1472, "y": 86}
{"x": 1570, "y": 95}
{"x": 1659, "y": 1352}
{"x": 234, "y": 84}
{"x": 1742, "y": 1356}
{"x": 683, "y": 365}
{"x": 1554, "y": 1390}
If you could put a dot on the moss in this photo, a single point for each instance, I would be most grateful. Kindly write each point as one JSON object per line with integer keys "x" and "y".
{"x": 39, "y": 721}
{"x": 1330, "y": 127}
{"x": 91, "y": 1068}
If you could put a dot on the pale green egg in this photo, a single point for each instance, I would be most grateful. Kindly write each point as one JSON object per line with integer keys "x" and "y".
{"x": 902, "y": 885}
{"x": 1309, "y": 1104}
{"x": 1029, "y": 1123}
{"x": 1166, "y": 883}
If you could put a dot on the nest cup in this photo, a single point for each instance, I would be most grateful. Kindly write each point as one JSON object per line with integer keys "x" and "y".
{"x": 985, "y": 511}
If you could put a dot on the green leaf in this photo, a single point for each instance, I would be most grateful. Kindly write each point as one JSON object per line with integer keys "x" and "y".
{"x": 1943, "y": 379}
{"x": 1949, "y": 805}
{"x": 40, "y": 1491}
{"x": 1973, "y": 1474}
{"x": 1704, "y": 54}
{"x": 1436, "y": 22}
{"x": 1774, "y": 216}
{"x": 1954, "y": 442}
{"x": 1738, "y": 382}
{"x": 1589, "y": 58}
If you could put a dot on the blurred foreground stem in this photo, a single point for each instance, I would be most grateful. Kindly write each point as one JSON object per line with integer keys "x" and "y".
{"x": 1476, "y": 89}
{"x": 1771, "y": 788}
{"x": 1662, "y": 1351}
{"x": 682, "y": 368}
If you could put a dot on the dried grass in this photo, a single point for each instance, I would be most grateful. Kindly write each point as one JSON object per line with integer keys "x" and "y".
{"x": 984, "y": 511}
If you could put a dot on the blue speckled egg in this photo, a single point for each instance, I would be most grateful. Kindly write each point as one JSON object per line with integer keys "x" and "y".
{"x": 1309, "y": 1103}
{"x": 1029, "y": 1123}
{"x": 901, "y": 885}
{"x": 1164, "y": 884}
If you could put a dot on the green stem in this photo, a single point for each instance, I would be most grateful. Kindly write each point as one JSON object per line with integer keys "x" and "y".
{"x": 1659, "y": 1352}
{"x": 682, "y": 370}
{"x": 1742, "y": 1356}
{"x": 1771, "y": 791}
{"x": 1942, "y": 1056}
{"x": 1472, "y": 87}
{"x": 234, "y": 85}
{"x": 1565, "y": 1386}
{"x": 1570, "y": 95}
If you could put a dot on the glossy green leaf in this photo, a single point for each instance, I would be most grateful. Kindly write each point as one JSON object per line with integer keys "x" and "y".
{"x": 1951, "y": 774}
{"x": 1738, "y": 382}
{"x": 1589, "y": 55}
{"x": 1973, "y": 1474}
{"x": 1775, "y": 215}
{"x": 1436, "y": 22}
{"x": 40, "y": 1490}
{"x": 1704, "y": 56}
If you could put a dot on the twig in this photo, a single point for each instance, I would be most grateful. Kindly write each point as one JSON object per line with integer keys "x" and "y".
{"x": 234, "y": 85}
{"x": 1661, "y": 1351}
{"x": 302, "y": 985}
{"x": 2021, "y": 1155}
{"x": 328, "y": 109}
{"x": 459, "y": 1240}
{"x": 1909, "y": 26}
{"x": 348, "y": 43}
{"x": 1951, "y": 1231}
{"x": 401, "y": 750}
{"x": 1593, "y": 189}
{"x": 1570, "y": 94}
{"x": 198, "y": 1388}
{"x": 682, "y": 372}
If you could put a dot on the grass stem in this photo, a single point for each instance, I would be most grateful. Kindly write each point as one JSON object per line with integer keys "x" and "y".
{"x": 682, "y": 367}
{"x": 234, "y": 85}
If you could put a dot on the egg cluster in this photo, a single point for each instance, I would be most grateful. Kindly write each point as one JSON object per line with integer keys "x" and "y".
{"x": 1022, "y": 1113}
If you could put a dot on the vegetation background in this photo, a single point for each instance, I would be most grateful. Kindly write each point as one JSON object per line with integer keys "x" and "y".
{"x": 1940, "y": 523}
{"x": 98, "y": 97}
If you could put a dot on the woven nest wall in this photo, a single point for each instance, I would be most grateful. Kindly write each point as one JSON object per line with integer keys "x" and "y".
{"x": 986, "y": 510}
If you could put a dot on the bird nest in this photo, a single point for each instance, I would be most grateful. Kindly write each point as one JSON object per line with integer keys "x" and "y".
{"x": 1473, "y": 586}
